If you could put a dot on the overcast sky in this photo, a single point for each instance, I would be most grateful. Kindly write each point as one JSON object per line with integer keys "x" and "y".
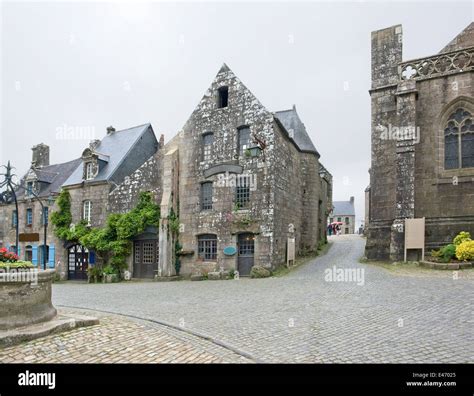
{"x": 87, "y": 65}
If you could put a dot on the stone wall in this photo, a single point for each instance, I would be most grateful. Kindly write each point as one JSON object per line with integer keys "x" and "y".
{"x": 148, "y": 177}
{"x": 285, "y": 185}
{"x": 224, "y": 220}
{"x": 407, "y": 176}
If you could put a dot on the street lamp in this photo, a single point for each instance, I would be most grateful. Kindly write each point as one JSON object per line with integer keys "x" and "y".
{"x": 8, "y": 181}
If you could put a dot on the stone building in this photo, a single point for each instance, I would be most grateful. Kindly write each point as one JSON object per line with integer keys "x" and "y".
{"x": 248, "y": 183}
{"x": 110, "y": 175}
{"x": 422, "y": 142}
{"x": 344, "y": 212}
{"x": 44, "y": 181}
{"x": 243, "y": 183}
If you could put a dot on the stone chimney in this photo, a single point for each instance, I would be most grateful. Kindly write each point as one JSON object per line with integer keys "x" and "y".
{"x": 110, "y": 130}
{"x": 352, "y": 200}
{"x": 40, "y": 156}
{"x": 162, "y": 140}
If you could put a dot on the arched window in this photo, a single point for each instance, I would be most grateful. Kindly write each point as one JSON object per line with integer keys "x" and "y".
{"x": 459, "y": 140}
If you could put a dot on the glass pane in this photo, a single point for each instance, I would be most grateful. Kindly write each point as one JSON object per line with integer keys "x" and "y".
{"x": 244, "y": 140}
{"x": 206, "y": 196}
{"x": 467, "y": 150}
{"x": 451, "y": 145}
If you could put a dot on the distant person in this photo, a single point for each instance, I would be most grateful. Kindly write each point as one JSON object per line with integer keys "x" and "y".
{"x": 330, "y": 229}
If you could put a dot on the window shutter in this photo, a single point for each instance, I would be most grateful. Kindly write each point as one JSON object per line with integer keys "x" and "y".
{"x": 18, "y": 251}
{"x": 51, "y": 259}
{"x": 34, "y": 255}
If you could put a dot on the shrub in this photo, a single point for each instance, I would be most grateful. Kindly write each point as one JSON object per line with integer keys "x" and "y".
{"x": 17, "y": 264}
{"x": 259, "y": 272}
{"x": 461, "y": 237}
{"x": 437, "y": 253}
{"x": 448, "y": 252}
{"x": 465, "y": 250}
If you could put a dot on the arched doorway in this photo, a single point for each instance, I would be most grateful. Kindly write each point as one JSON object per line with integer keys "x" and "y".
{"x": 246, "y": 250}
{"x": 78, "y": 262}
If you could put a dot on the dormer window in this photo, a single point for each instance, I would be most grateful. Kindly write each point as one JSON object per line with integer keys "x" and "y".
{"x": 89, "y": 171}
{"x": 222, "y": 97}
{"x": 29, "y": 189}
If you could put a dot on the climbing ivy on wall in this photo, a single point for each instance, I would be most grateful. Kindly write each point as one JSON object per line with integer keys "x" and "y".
{"x": 113, "y": 241}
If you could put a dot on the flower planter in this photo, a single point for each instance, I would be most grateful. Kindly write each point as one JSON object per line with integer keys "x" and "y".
{"x": 25, "y": 302}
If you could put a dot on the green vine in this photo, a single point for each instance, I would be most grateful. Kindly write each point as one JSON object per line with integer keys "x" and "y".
{"x": 112, "y": 242}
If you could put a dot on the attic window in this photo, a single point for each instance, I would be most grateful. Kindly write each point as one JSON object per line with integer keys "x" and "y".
{"x": 222, "y": 97}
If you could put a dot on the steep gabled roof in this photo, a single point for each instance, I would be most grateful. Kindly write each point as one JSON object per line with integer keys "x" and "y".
{"x": 51, "y": 177}
{"x": 115, "y": 147}
{"x": 343, "y": 208}
{"x": 296, "y": 130}
{"x": 465, "y": 39}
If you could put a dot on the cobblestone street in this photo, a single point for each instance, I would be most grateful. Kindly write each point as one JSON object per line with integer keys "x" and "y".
{"x": 393, "y": 317}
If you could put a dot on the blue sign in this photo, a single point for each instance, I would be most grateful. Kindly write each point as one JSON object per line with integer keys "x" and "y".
{"x": 230, "y": 250}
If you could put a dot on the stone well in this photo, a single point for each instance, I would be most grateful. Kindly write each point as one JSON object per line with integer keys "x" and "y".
{"x": 23, "y": 302}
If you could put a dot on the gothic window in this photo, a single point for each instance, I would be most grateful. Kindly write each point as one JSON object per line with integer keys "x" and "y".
{"x": 207, "y": 142}
{"x": 206, "y": 196}
{"x": 207, "y": 247}
{"x": 459, "y": 140}
{"x": 244, "y": 139}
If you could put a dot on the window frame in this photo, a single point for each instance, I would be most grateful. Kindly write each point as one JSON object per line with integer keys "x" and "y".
{"x": 88, "y": 211}
{"x": 446, "y": 176}
{"x": 206, "y": 155}
{"x": 206, "y": 202}
{"x": 89, "y": 170}
{"x": 221, "y": 99}
{"x": 240, "y": 149}
{"x": 207, "y": 246}
{"x": 29, "y": 217}
{"x": 14, "y": 218}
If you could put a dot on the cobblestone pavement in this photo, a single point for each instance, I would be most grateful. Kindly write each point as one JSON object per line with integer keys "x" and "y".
{"x": 119, "y": 340}
{"x": 302, "y": 317}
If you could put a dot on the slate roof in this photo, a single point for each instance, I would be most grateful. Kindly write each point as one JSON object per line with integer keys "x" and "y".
{"x": 113, "y": 148}
{"x": 465, "y": 39}
{"x": 296, "y": 130}
{"x": 51, "y": 178}
{"x": 343, "y": 208}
